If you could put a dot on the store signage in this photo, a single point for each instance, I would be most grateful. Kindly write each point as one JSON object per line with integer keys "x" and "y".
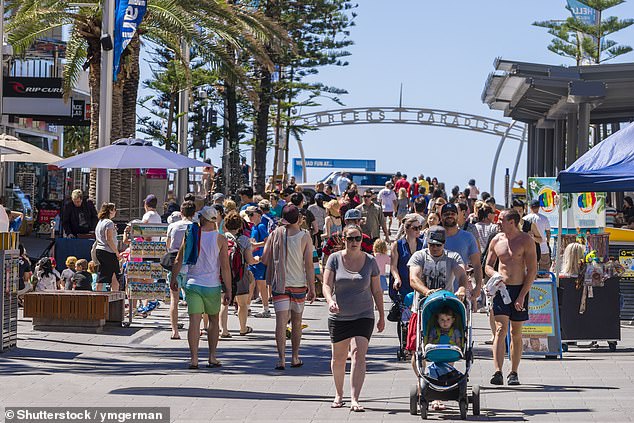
{"x": 22, "y": 87}
{"x": 584, "y": 210}
{"x": 79, "y": 107}
{"x": 541, "y": 334}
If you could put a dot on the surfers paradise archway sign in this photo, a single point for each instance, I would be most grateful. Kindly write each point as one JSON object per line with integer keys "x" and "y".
{"x": 418, "y": 116}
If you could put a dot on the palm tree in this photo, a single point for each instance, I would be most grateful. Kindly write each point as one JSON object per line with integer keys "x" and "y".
{"x": 208, "y": 24}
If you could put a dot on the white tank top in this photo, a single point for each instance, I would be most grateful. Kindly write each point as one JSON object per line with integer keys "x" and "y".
{"x": 206, "y": 271}
{"x": 295, "y": 271}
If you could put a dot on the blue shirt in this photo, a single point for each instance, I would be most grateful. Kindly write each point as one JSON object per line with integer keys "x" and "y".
{"x": 463, "y": 243}
{"x": 259, "y": 233}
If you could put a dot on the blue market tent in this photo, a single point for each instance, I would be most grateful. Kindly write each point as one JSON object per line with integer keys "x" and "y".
{"x": 607, "y": 167}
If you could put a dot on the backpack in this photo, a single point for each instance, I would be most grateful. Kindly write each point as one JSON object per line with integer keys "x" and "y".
{"x": 240, "y": 275}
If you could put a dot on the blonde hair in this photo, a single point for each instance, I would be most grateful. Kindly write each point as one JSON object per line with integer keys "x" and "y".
{"x": 71, "y": 261}
{"x": 76, "y": 194}
{"x": 331, "y": 206}
{"x": 402, "y": 193}
{"x": 380, "y": 247}
{"x": 92, "y": 267}
{"x": 573, "y": 256}
{"x": 477, "y": 206}
{"x": 229, "y": 205}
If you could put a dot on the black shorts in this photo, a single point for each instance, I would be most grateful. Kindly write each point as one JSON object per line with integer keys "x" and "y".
{"x": 344, "y": 329}
{"x": 501, "y": 309}
{"x": 108, "y": 266}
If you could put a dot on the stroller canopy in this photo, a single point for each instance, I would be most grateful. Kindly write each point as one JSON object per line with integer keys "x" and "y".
{"x": 436, "y": 302}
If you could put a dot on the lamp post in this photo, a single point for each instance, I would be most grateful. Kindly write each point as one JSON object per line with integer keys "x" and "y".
{"x": 105, "y": 96}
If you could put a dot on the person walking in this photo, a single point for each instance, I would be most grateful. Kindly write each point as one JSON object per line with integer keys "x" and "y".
{"x": 106, "y": 249}
{"x": 402, "y": 251}
{"x": 402, "y": 205}
{"x": 353, "y": 291}
{"x": 288, "y": 255}
{"x": 373, "y": 219}
{"x": 205, "y": 252}
{"x": 517, "y": 257}
{"x": 175, "y": 234}
{"x": 259, "y": 234}
{"x": 332, "y": 223}
{"x": 543, "y": 226}
{"x": 387, "y": 200}
{"x": 243, "y": 288}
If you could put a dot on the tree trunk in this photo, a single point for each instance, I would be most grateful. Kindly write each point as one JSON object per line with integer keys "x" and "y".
{"x": 129, "y": 182}
{"x": 231, "y": 161}
{"x": 261, "y": 131}
{"x": 94, "y": 49}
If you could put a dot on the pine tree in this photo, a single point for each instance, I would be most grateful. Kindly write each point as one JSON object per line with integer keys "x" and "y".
{"x": 588, "y": 42}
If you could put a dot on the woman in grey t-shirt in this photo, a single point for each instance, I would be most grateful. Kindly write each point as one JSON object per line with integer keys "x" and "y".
{"x": 352, "y": 289}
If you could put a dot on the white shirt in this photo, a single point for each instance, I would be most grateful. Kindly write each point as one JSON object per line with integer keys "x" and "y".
{"x": 543, "y": 225}
{"x": 176, "y": 232}
{"x": 151, "y": 217}
{"x": 342, "y": 184}
{"x": 387, "y": 197}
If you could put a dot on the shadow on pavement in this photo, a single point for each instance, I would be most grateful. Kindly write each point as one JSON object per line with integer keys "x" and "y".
{"x": 179, "y": 391}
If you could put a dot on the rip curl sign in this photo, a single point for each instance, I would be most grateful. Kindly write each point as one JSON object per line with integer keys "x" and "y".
{"x": 128, "y": 17}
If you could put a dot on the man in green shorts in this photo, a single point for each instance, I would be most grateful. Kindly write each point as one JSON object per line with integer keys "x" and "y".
{"x": 206, "y": 253}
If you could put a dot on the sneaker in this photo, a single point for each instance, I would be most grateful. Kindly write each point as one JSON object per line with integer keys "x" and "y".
{"x": 497, "y": 379}
{"x": 512, "y": 379}
{"x": 263, "y": 314}
{"x": 257, "y": 301}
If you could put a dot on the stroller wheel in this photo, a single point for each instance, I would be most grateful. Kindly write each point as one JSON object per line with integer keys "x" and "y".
{"x": 413, "y": 400}
{"x": 464, "y": 406}
{"x": 475, "y": 400}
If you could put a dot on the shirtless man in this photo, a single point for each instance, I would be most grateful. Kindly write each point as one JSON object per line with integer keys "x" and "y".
{"x": 518, "y": 268}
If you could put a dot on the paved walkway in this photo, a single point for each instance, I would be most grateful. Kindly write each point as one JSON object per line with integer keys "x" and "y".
{"x": 141, "y": 366}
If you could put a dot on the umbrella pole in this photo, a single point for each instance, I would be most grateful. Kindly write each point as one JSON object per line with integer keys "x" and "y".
{"x": 559, "y": 254}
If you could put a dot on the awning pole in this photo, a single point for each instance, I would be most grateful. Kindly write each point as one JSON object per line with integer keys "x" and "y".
{"x": 559, "y": 255}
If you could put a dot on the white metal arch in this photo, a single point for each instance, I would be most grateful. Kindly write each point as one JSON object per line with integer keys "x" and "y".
{"x": 418, "y": 116}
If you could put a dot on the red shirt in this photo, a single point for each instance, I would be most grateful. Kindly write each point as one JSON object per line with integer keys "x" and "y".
{"x": 401, "y": 183}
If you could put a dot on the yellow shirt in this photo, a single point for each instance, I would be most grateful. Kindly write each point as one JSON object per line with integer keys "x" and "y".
{"x": 424, "y": 184}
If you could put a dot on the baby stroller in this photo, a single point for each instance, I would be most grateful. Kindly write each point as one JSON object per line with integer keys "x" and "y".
{"x": 439, "y": 380}
{"x": 401, "y": 313}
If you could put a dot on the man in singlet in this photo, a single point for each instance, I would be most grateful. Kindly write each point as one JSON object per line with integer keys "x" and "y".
{"x": 517, "y": 267}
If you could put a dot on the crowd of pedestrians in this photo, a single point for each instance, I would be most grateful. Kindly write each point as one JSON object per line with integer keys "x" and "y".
{"x": 275, "y": 251}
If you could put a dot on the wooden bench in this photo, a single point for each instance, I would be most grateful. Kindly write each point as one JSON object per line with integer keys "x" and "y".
{"x": 74, "y": 310}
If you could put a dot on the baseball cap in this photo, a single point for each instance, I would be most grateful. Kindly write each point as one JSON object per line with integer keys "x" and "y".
{"x": 535, "y": 203}
{"x": 320, "y": 197}
{"x": 353, "y": 214}
{"x": 253, "y": 209}
{"x": 218, "y": 196}
{"x": 150, "y": 198}
{"x": 290, "y": 214}
{"x": 208, "y": 212}
{"x": 436, "y": 235}
{"x": 449, "y": 207}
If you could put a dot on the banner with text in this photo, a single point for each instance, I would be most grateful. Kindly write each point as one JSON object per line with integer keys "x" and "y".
{"x": 128, "y": 17}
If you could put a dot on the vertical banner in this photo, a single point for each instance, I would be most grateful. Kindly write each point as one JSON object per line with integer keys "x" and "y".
{"x": 584, "y": 210}
{"x": 582, "y": 12}
{"x": 128, "y": 17}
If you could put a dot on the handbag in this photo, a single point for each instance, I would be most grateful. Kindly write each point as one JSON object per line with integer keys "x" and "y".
{"x": 395, "y": 313}
{"x": 167, "y": 261}
{"x": 93, "y": 254}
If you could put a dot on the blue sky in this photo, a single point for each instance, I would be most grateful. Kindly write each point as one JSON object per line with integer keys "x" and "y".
{"x": 442, "y": 53}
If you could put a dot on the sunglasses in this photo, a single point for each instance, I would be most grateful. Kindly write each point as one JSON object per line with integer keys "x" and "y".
{"x": 435, "y": 245}
{"x": 416, "y": 228}
{"x": 354, "y": 238}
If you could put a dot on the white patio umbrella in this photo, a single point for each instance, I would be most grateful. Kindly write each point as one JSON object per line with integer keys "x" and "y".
{"x": 28, "y": 153}
{"x": 130, "y": 153}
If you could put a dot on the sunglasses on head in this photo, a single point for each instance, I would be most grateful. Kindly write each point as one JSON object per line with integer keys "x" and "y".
{"x": 357, "y": 238}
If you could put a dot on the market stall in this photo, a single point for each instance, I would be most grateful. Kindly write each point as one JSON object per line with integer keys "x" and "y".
{"x": 609, "y": 166}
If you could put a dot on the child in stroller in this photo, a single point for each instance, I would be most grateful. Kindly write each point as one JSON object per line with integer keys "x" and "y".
{"x": 443, "y": 337}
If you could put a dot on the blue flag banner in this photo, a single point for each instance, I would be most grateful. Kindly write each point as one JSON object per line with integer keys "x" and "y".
{"x": 584, "y": 13}
{"x": 128, "y": 17}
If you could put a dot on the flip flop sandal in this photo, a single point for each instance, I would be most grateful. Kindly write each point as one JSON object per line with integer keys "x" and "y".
{"x": 357, "y": 409}
{"x": 298, "y": 364}
{"x": 249, "y": 330}
{"x": 280, "y": 367}
{"x": 214, "y": 365}
{"x": 336, "y": 404}
{"x": 193, "y": 367}
{"x": 175, "y": 337}
{"x": 226, "y": 335}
